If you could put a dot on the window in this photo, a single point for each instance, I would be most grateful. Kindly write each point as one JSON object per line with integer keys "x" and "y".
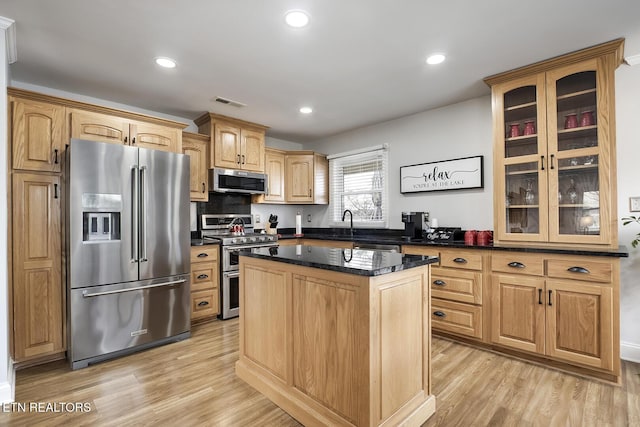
{"x": 359, "y": 183}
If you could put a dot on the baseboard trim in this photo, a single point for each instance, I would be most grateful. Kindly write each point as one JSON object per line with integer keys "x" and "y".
{"x": 630, "y": 352}
{"x": 7, "y": 389}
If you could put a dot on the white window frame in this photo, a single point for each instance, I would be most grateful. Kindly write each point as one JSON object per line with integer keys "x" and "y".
{"x": 336, "y": 191}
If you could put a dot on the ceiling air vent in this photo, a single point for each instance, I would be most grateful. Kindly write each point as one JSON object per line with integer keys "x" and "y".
{"x": 227, "y": 101}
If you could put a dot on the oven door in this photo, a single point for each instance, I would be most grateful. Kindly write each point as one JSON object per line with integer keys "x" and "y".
{"x": 230, "y": 297}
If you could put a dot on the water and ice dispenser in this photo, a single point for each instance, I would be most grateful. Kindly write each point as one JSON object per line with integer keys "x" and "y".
{"x": 101, "y": 215}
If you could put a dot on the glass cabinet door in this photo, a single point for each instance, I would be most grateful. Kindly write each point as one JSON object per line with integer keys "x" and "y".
{"x": 522, "y": 213}
{"x": 575, "y": 212}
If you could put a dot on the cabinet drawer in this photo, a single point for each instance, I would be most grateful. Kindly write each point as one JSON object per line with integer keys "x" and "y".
{"x": 461, "y": 259}
{"x": 204, "y": 304}
{"x": 421, "y": 250}
{"x": 456, "y": 285}
{"x": 458, "y": 318}
{"x": 517, "y": 263}
{"x": 580, "y": 269}
{"x": 204, "y": 276}
{"x": 204, "y": 253}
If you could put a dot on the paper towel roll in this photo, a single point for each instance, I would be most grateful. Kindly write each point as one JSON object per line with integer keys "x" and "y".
{"x": 434, "y": 222}
{"x": 298, "y": 224}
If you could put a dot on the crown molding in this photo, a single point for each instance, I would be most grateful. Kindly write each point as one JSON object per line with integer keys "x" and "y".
{"x": 10, "y": 29}
{"x": 633, "y": 59}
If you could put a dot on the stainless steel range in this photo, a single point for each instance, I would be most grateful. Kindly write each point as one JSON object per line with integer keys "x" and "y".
{"x": 235, "y": 233}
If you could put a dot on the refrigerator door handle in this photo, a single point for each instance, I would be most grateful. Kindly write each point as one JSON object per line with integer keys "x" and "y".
{"x": 85, "y": 294}
{"x": 143, "y": 215}
{"x": 134, "y": 214}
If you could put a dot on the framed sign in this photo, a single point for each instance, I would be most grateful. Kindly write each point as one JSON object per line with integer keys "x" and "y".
{"x": 456, "y": 174}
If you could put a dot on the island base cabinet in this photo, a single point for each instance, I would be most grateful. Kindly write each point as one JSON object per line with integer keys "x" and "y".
{"x": 337, "y": 349}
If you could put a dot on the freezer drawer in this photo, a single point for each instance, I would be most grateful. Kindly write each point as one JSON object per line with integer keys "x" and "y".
{"x": 108, "y": 321}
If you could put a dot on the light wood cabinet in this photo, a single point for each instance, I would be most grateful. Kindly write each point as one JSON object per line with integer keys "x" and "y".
{"x": 195, "y": 146}
{"x": 274, "y": 167}
{"x": 205, "y": 279}
{"x": 457, "y": 289}
{"x": 568, "y": 311}
{"x": 554, "y": 150}
{"x": 107, "y": 128}
{"x": 37, "y": 130}
{"x": 37, "y": 289}
{"x": 306, "y": 178}
{"x": 235, "y": 144}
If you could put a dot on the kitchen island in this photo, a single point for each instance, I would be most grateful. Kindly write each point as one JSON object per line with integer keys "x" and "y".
{"x": 338, "y": 336}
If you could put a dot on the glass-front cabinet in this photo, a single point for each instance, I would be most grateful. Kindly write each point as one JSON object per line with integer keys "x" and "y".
{"x": 554, "y": 152}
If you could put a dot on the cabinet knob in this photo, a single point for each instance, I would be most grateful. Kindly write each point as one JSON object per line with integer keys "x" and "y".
{"x": 440, "y": 314}
{"x": 440, "y": 282}
{"x": 581, "y": 270}
{"x": 460, "y": 260}
{"x": 203, "y": 303}
{"x": 203, "y": 276}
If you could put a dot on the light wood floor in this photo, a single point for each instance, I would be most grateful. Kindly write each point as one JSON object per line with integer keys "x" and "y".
{"x": 192, "y": 383}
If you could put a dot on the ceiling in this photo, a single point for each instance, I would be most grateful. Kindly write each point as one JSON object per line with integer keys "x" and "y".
{"x": 358, "y": 62}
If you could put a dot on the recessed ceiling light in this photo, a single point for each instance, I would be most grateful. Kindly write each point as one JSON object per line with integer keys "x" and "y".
{"x": 435, "y": 59}
{"x": 296, "y": 18}
{"x": 165, "y": 62}
{"x": 306, "y": 110}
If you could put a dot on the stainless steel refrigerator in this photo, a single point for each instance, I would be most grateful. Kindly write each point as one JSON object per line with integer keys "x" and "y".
{"x": 128, "y": 250}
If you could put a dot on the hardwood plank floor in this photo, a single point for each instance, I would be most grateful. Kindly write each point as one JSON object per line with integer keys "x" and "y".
{"x": 192, "y": 383}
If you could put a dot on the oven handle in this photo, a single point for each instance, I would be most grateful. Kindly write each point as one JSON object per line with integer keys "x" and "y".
{"x": 231, "y": 275}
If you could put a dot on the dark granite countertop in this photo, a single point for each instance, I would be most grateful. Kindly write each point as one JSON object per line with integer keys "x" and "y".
{"x": 352, "y": 261}
{"x": 202, "y": 242}
{"x": 397, "y": 239}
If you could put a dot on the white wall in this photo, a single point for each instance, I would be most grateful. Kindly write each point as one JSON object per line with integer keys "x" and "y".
{"x": 459, "y": 130}
{"x": 6, "y": 369}
{"x": 628, "y": 140}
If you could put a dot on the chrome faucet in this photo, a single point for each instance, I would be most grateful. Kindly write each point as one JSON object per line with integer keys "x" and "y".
{"x": 344, "y": 214}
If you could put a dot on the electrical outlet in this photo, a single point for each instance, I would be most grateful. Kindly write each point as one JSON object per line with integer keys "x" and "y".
{"x": 309, "y": 218}
{"x": 426, "y": 217}
{"x": 634, "y": 204}
{"x": 256, "y": 218}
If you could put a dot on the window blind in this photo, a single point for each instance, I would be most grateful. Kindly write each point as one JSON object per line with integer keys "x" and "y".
{"x": 359, "y": 183}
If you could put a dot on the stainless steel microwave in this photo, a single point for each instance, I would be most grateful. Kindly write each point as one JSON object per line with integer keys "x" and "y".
{"x": 237, "y": 181}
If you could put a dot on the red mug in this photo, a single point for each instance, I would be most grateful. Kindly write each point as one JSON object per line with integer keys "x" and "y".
{"x": 470, "y": 237}
{"x": 529, "y": 128}
{"x": 514, "y": 130}
{"x": 571, "y": 121}
{"x": 586, "y": 118}
{"x": 485, "y": 238}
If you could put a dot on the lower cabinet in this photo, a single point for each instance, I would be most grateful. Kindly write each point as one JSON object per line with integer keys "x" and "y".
{"x": 562, "y": 307}
{"x": 205, "y": 278}
{"x": 37, "y": 290}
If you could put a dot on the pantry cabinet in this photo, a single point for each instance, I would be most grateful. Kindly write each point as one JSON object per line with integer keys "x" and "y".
{"x": 195, "y": 146}
{"x": 37, "y": 288}
{"x": 235, "y": 144}
{"x": 37, "y": 135}
{"x": 554, "y": 150}
{"x": 113, "y": 129}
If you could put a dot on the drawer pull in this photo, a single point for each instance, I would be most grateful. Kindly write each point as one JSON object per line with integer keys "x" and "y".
{"x": 578, "y": 270}
{"x": 440, "y": 314}
{"x": 440, "y": 282}
{"x": 460, "y": 260}
{"x": 203, "y": 255}
{"x": 516, "y": 264}
{"x": 203, "y": 303}
{"x": 203, "y": 276}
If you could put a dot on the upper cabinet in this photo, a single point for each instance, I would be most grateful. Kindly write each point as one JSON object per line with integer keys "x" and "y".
{"x": 107, "y": 128}
{"x": 554, "y": 149}
{"x": 195, "y": 146}
{"x": 274, "y": 164}
{"x": 235, "y": 144}
{"x": 306, "y": 178}
{"x": 37, "y": 130}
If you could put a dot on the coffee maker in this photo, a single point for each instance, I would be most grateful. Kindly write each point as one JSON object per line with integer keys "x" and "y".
{"x": 413, "y": 225}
